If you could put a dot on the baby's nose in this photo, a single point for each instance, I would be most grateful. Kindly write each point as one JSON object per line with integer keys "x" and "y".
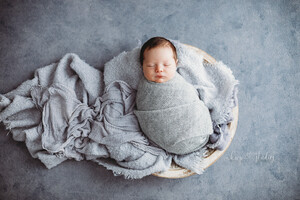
{"x": 159, "y": 68}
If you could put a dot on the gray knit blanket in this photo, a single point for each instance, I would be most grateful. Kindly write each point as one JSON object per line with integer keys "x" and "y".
{"x": 172, "y": 115}
{"x": 70, "y": 110}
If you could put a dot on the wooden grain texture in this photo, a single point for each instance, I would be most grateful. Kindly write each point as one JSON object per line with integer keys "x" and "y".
{"x": 176, "y": 171}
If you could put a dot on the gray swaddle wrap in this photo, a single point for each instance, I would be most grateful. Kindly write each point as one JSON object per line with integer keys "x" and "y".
{"x": 172, "y": 115}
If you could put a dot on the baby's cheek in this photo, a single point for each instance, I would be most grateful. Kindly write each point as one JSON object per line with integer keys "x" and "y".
{"x": 172, "y": 73}
{"x": 148, "y": 76}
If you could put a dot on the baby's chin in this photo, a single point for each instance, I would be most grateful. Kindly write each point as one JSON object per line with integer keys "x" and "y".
{"x": 160, "y": 80}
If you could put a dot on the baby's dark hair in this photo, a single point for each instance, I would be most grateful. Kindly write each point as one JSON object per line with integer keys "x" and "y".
{"x": 155, "y": 42}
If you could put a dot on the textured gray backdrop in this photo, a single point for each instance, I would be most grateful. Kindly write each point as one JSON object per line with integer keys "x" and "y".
{"x": 258, "y": 40}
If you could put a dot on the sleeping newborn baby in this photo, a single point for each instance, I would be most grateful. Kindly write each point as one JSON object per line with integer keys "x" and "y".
{"x": 169, "y": 110}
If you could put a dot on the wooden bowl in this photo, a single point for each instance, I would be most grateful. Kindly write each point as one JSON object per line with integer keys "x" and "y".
{"x": 176, "y": 171}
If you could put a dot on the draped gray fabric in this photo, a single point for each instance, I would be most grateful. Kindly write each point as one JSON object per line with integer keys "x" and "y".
{"x": 70, "y": 110}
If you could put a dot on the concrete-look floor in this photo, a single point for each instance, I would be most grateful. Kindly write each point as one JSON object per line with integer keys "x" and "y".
{"x": 258, "y": 40}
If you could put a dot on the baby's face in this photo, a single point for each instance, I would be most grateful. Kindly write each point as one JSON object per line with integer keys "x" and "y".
{"x": 159, "y": 64}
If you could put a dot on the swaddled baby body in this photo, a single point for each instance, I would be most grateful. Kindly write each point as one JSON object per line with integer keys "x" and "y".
{"x": 169, "y": 110}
